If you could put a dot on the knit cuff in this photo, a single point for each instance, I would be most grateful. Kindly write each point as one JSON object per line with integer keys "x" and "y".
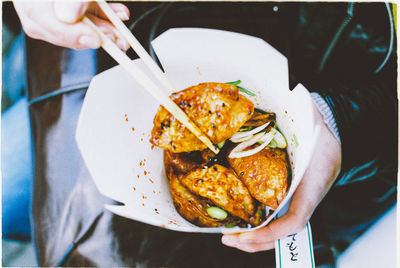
{"x": 326, "y": 112}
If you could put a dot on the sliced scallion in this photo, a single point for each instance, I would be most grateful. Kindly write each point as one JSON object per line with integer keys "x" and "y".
{"x": 248, "y": 92}
{"x": 266, "y": 138}
{"x": 245, "y": 129}
{"x": 260, "y": 213}
{"x": 230, "y": 225}
{"x": 295, "y": 140}
{"x": 272, "y": 144}
{"x": 280, "y": 140}
{"x": 221, "y": 144}
{"x": 217, "y": 213}
{"x": 236, "y": 84}
{"x": 249, "y": 133}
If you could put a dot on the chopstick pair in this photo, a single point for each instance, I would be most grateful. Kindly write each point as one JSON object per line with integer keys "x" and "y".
{"x": 139, "y": 75}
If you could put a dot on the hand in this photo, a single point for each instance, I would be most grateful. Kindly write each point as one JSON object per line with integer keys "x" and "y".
{"x": 321, "y": 173}
{"x": 59, "y": 22}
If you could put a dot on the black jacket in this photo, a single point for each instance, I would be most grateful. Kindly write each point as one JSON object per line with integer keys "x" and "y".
{"x": 347, "y": 53}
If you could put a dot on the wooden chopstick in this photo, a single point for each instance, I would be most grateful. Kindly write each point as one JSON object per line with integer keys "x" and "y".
{"x": 136, "y": 46}
{"x": 149, "y": 85}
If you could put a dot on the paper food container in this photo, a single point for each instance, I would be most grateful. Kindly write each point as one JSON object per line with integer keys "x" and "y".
{"x": 117, "y": 117}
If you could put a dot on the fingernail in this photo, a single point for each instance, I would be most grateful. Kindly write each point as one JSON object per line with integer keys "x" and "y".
{"x": 122, "y": 15}
{"x": 112, "y": 37}
{"x": 226, "y": 240}
{"x": 123, "y": 44}
{"x": 69, "y": 12}
{"x": 245, "y": 237}
{"x": 88, "y": 41}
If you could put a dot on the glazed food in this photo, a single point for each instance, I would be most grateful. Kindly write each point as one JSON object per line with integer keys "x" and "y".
{"x": 264, "y": 174}
{"x": 222, "y": 187}
{"x": 216, "y": 108}
{"x": 246, "y": 180}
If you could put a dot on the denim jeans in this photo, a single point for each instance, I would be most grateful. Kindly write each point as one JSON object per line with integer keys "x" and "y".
{"x": 17, "y": 171}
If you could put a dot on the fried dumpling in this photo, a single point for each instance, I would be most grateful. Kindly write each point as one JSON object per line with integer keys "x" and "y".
{"x": 216, "y": 108}
{"x": 265, "y": 174}
{"x": 221, "y": 186}
{"x": 183, "y": 162}
{"x": 191, "y": 207}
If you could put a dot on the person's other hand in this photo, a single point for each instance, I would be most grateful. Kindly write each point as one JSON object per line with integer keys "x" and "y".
{"x": 59, "y": 22}
{"x": 323, "y": 169}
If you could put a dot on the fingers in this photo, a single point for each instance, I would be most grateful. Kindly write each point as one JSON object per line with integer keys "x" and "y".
{"x": 121, "y": 10}
{"x": 40, "y": 22}
{"x": 253, "y": 247}
{"x": 285, "y": 225}
{"x": 59, "y": 23}
{"x": 69, "y": 11}
{"x": 76, "y": 36}
{"x": 95, "y": 14}
{"x": 109, "y": 30}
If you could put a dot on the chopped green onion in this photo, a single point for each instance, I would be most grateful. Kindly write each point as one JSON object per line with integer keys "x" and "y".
{"x": 295, "y": 140}
{"x": 240, "y": 135}
{"x": 280, "y": 140}
{"x": 221, "y": 144}
{"x": 235, "y": 83}
{"x": 248, "y": 92}
{"x": 217, "y": 213}
{"x": 273, "y": 144}
{"x": 230, "y": 225}
{"x": 260, "y": 213}
{"x": 266, "y": 138}
{"x": 245, "y": 129}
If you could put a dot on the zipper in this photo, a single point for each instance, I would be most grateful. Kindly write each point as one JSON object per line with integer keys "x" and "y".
{"x": 390, "y": 49}
{"x": 336, "y": 37}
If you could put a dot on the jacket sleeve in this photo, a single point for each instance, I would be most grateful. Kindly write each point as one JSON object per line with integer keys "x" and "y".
{"x": 365, "y": 113}
{"x": 336, "y": 53}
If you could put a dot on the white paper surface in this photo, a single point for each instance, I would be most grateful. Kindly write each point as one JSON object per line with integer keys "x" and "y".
{"x": 117, "y": 117}
{"x": 295, "y": 250}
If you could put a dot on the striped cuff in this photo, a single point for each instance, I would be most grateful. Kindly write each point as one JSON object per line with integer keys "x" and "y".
{"x": 326, "y": 112}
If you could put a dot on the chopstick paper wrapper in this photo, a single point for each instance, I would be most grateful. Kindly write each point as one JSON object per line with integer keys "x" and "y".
{"x": 295, "y": 250}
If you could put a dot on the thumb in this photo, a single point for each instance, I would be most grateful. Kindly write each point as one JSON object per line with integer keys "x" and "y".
{"x": 70, "y": 12}
{"x": 277, "y": 229}
{"x": 281, "y": 227}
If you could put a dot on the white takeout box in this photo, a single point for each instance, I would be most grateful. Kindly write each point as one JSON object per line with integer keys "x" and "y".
{"x": 117, "y": 117}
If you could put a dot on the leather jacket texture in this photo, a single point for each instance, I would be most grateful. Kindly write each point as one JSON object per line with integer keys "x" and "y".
{"x": 352, "y": 63}
{"x": 346, "y": 52}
